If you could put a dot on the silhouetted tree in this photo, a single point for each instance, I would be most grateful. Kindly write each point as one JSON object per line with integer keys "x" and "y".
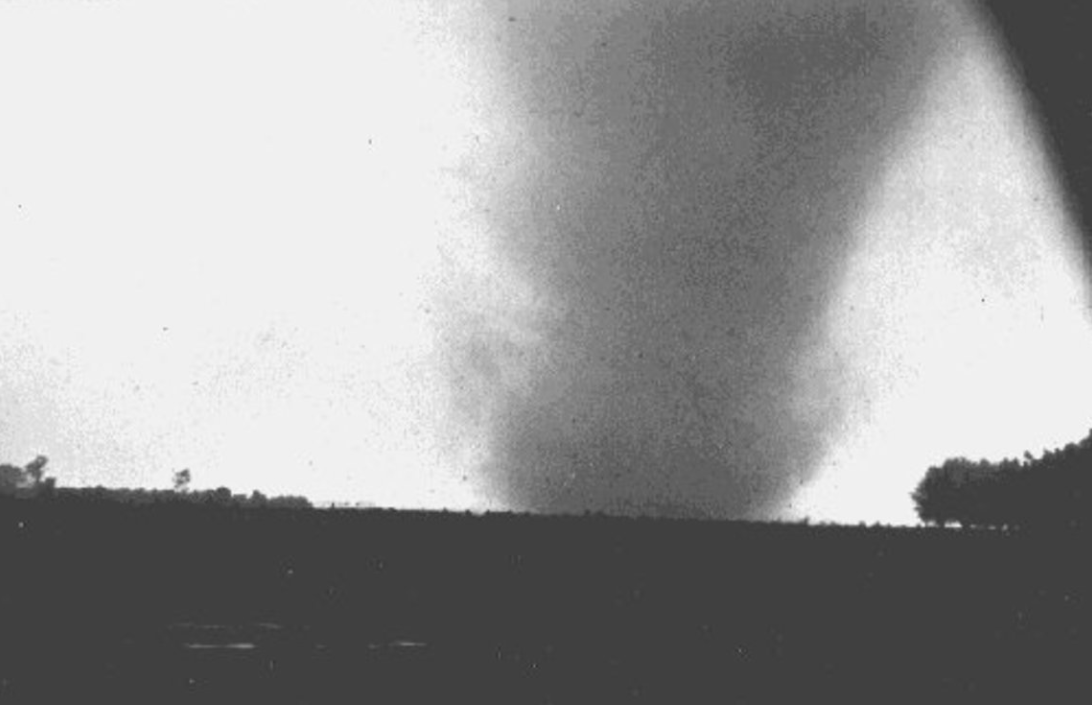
{"x": 36, "y": 467}
{"x": 182, "y": 481}
{"x": 936, "y": 496}
{"x": 221, "y": 496}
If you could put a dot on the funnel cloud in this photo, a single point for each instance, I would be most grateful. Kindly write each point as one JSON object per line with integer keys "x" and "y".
{"x": 678, "y": 200}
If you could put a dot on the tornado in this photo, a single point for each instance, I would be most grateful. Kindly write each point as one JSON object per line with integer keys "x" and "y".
{"x": 674, "y": 198}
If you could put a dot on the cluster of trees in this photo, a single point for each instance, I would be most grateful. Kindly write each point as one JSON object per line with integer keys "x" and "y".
{"x": 1052, "y": 491}
{"x": 29, "y": 482}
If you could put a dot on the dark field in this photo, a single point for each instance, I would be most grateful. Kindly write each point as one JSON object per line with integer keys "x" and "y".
{"x": 113, "y": 604}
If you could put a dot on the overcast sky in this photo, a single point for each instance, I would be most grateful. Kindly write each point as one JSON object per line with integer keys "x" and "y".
{"x": 760, "y": 259}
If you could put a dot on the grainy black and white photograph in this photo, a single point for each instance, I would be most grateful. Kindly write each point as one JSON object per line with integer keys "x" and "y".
{"x": 545, "y": 351}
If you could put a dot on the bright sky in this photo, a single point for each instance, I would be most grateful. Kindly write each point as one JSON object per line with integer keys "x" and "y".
{"x": 963, "y": 311}
{"x": 226, "y": 228}
{"x": 220, "y": 225}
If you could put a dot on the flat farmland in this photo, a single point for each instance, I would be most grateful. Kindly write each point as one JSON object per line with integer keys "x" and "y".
{"x": 204, "y": 604}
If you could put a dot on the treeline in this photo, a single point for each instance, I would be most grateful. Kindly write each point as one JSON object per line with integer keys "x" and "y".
{"x": 219, "y": 497}
{"x": 30, "y": 482}
{"x": 1049, "y": 492}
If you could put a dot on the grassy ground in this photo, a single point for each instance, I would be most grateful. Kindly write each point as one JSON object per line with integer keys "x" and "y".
{"x": 187, "y": 604}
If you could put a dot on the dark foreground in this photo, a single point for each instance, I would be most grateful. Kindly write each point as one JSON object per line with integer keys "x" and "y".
{"x": 184, "y": 604}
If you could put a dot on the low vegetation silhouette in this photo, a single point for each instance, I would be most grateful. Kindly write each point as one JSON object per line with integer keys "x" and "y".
{"x": 30, "y": 482}
{"x": 1052, "y": 491}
